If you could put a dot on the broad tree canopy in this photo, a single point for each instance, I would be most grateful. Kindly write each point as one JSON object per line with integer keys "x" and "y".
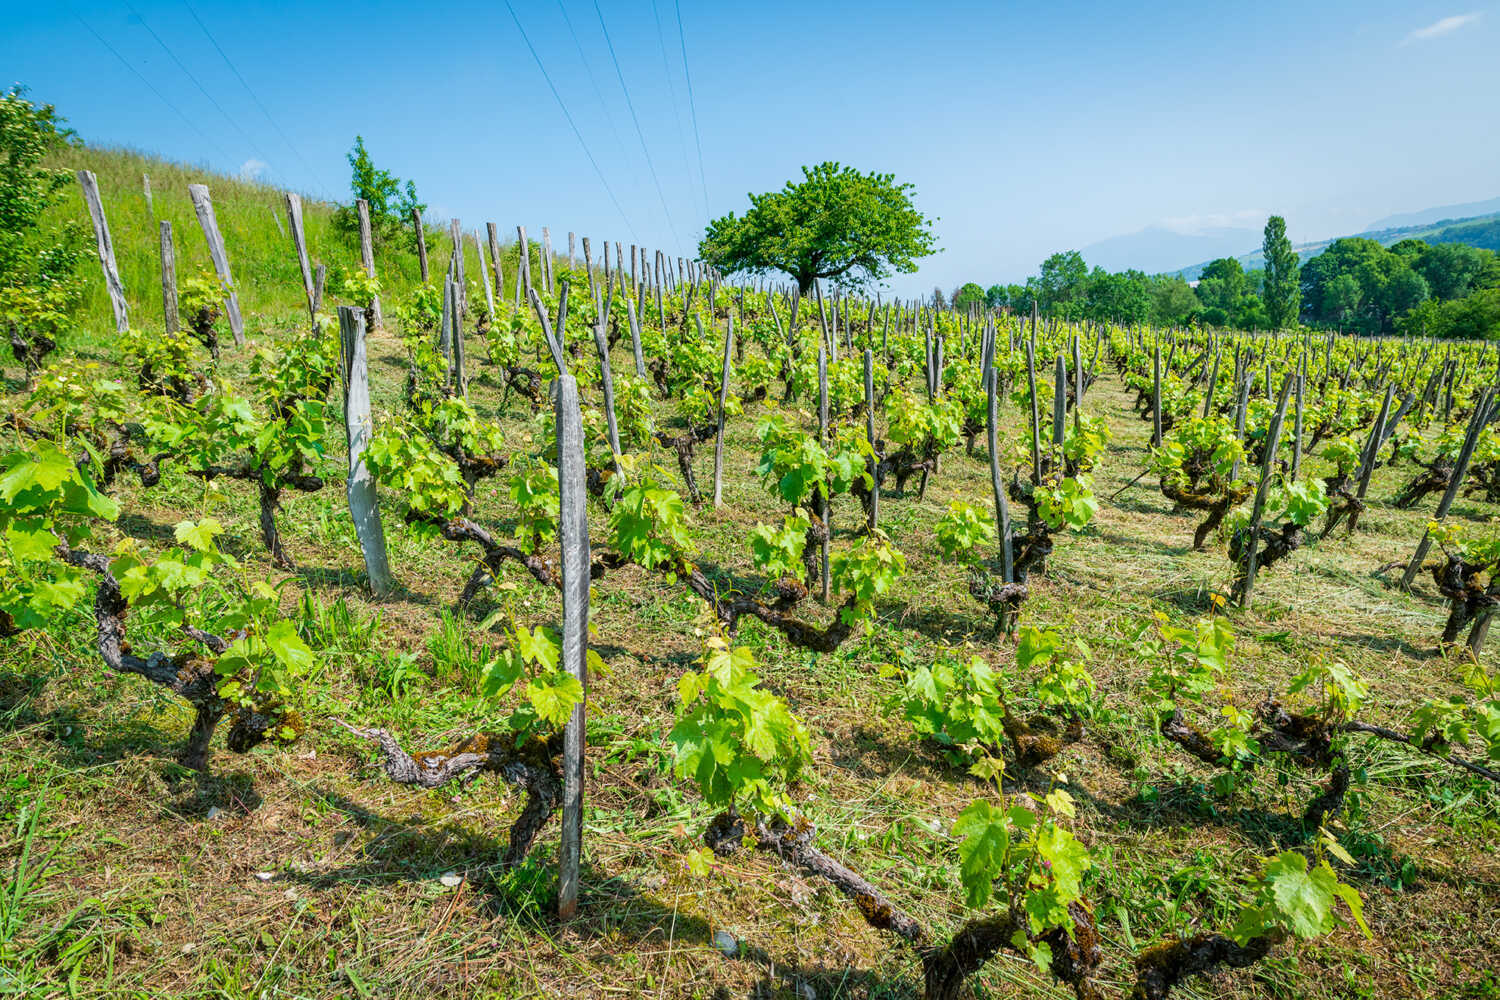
{"x": 836, "y": 223}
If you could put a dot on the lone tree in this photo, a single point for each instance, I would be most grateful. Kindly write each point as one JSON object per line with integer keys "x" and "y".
{"x": 391, "y": 200}
{"x": 1282, "y": 284}
{"x": 835, "y": 223}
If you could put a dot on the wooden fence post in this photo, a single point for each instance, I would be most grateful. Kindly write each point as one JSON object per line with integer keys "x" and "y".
{"x": 992, "y": 420}
{"x": 723, "y": 400}
{"x": 825, "y": 510}
{"x": 203, "y": 205}
{"x": 367, "y": 257}
{"x": 607, "y": 383}
{"x": 1156, "y": 397}
{"x": 1268, "y": 462}
{"x": 146, "y": 187}
{"x": 484, "y": 279}
{"x": 573, "y": 532}
{"x": 106, "y": 247}
{"x": 299, "y": 241}
{"x": 873, "y": 521}
{"x": 1482, "y": 413}
{"x": 168, "y": 278}
{"x": 421, "y": 233}
{"x": 364, "y": 504}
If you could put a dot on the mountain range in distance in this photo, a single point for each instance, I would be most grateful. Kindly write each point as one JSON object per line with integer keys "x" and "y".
{"x": 1159, "y": 249}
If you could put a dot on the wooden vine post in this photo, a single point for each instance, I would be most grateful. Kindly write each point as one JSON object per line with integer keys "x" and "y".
{"x": 299, "y": 243}
{"x": 723, "y": 401}
{"x": 421, "y": 234}
{"x": 825, "y": 509}
{"x": 573, "y": 532}
{"x": 168, "y": 278}
{"x": 1268, "y": 462}
{"x": 1155, "y": 396}
{"x": 606, "y": 378}
{"x": 1482, "y": 413}
{"x": 364, "y": 505}
{"x": 874, "y": 519}
{"x": 106, "y": 247}
{"x": 1371, "y": 456}
{"x": 992, "y": 421}
{"x": 204, "y": 207}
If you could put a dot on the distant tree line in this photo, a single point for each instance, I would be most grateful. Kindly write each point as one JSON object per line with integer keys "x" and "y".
{"x": 1441, "y": 290}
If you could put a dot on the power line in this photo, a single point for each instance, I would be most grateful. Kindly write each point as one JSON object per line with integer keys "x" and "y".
{"x": 639, "y": 134}
{"x": 254, "y": 146}
{"x": 571, "y": 124}
{"x": 692, "y": 105}
{"x": 609, "y": 119}
{"x": 666, "y": 66}
{"x": 233, "y": 69}
{"x": 149, "y": 85}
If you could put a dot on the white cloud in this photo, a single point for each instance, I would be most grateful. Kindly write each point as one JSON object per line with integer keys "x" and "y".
{"x": 1192, "y": 225}
{"x": 1439, "y": 28}
{"x": 252, "y": 169}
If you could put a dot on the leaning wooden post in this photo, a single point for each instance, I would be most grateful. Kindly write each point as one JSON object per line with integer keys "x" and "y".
{"x": 1002, "y": 509}
{"x": 606, "y": 382}
{"x": 458, "y": 377}
{"x": 112, "y": 283}
{"x": 484, "y": 279}
{"x": 168, "y": 278}
{"x": 825, "y": 508}
{"x": 573, "y": 532}
{"x": 1036, "y": 421}
{"x": 1213, "y": 381}
{"x": 367, "y": 257}
{"x": 299, "y": 243}
{"x": 204, "y": 207}
{"x": 1268, "y": 462}
{"x": 1156, "y": 396}
{"x": 635, "y": 337}
{"x": 723, "y": 401}
{"x": 1297, "y": 422}
{"x": 1239, "y": 425}
{"x": 873, "y": 521}
{"x": 146, "y": 187}
{"x": 1059, "y": 409}
{"x": 1370, "y": 458}
{"x": 421, "y": 235}
{"x": 364, "y": 504}
{"x": 546, "y": 256}
{"x": 1477, "y": 420}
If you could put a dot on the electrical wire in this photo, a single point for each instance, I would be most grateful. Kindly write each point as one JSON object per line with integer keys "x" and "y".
{"x": 609, "y": 119}
{"x": 660, "y": 193}
{"x": 249, "y": 90}
{"x": 666, "y": 66}
{"x": 254, "y": 146}
{"x": 571, "y": 124}
{"x": 693, "y": 107}
{"x": 150, "y": 86}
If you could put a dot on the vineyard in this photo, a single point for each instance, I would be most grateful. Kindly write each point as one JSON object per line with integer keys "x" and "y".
{"x": 890, "y": 651}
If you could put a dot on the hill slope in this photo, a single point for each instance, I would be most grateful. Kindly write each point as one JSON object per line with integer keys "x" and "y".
{"x": 252, "y": 219}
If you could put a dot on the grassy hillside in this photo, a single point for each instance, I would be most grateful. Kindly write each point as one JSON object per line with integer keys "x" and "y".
{"x": 1483, "y": 233}
{"x": 252, "y": 218}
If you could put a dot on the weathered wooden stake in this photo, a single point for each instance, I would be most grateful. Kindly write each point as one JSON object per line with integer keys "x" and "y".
{"x": 364, "y": 504}
{"x": 146, "y": 187}
{"x": 1252, "y": 542}
{"x": 1482, "y": 413}
{"x": 204, "y": 207}
{"x": 106, "y": 248}
{"x": 299, "y": 243}
{"x": 573, "y": 533}
{"x": 367, "y": 257}
{"x": 168, "y": 278}
{"x": 873, "y": 521}
{"x": 825, "y": 510}
{"x": 421, "y": 233}
{"x": 723, "y": 400}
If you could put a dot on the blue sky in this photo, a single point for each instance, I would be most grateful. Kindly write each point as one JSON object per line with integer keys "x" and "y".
{"x": 1025, "y": 129}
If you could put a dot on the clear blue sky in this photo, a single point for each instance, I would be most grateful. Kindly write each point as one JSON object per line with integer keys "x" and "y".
{"x": 1025, "y": 129}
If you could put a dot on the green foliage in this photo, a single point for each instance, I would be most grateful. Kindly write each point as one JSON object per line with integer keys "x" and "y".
{"x": 1186, "y": 661}
{"x": 1036, "y": 861}
{"x": 836, "y": 223}
{"x": 532, "y": 663}
{"x": 1283, "y": 291}
{"x": 1067, "y": 502}
{"x": 962, "y": 530}
{"x": 928, "y": 429}
{"x": 44, "y": 261}
{"x": 391, "y": 201}
{"x": 737, "y": 742}
{"x": 45, "y": 500}
{"x": 201, "y": 300}
{"x": 647, "y": 525}
{"x": 865, "y": 572}
{"x": 797, "y": 467}
{"x": 1291, "y": 898}
{"x": 778, "y": 551}
{"x": 403, "y": 459}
